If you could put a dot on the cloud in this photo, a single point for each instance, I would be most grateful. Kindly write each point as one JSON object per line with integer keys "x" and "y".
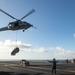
{"x": 41, "y": 49}
{"x": 51, "y": 52}
{"x": 8, "y": 45}
{"x": 74, "y": 35}
{"x": 60, "y": 52}
{"x": 57, "y": 52}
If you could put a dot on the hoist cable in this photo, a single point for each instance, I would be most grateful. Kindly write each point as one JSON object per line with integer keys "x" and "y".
{"x": 16, "y": 37}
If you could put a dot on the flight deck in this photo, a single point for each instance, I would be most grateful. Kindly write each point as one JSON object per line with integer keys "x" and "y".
{"x": 35, "y": 68}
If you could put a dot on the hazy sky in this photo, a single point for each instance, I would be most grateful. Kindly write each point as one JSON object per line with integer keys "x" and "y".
{"x": 55, "y": 33}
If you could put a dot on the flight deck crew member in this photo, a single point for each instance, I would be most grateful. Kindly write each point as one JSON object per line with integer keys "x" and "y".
{"x": 54, "y": 66}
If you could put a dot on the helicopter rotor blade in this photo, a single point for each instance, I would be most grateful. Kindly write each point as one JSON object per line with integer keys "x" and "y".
{"x": 7, "y": 14}
{"x": 28, "y": 14}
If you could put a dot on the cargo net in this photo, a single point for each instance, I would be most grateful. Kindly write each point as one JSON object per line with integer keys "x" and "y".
{"x": 16, "y": 50}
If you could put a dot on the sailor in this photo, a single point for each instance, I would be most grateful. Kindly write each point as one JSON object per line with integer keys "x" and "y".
{"x": 54, "y": 66}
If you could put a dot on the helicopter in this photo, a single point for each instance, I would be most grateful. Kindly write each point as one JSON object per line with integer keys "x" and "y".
{"x": 18, "y": 24}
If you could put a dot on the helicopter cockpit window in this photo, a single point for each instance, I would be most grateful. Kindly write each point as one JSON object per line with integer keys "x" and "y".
{"x": 9, "y": 26}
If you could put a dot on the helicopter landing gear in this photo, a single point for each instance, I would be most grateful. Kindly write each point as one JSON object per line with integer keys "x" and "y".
{"x": 23, "y": 30}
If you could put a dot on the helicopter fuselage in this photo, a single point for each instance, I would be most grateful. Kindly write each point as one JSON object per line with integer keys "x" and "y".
{"x": 17, "y": 25}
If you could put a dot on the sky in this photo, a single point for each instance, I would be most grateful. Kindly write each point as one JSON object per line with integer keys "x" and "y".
{"x": 55, "y": 33}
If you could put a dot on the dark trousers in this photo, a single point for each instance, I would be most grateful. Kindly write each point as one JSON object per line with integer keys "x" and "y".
{"x": 54, "y": 70}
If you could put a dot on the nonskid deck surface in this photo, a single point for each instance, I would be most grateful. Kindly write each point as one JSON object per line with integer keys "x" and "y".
{"x": 35, "y": 68}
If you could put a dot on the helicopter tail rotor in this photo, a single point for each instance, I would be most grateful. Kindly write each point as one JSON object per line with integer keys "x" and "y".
{"x": 34, "y": 27}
